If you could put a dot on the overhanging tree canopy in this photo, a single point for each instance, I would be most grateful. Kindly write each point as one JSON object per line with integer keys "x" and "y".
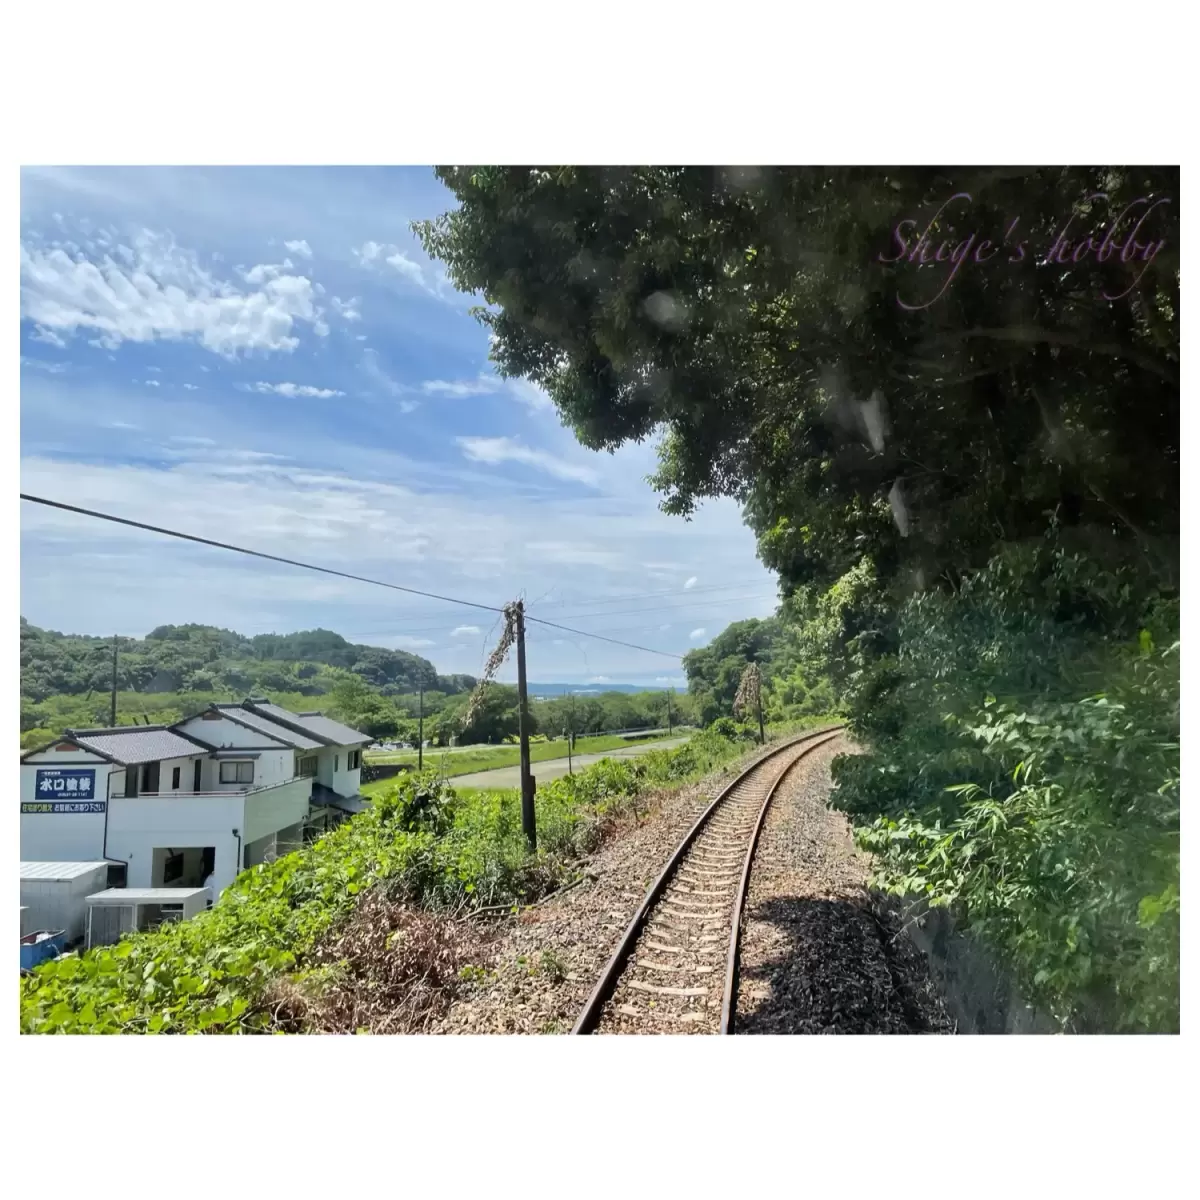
{"x": 917, "y": 414}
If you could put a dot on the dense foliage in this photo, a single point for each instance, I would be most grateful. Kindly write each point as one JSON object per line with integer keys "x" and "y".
{"x": 419, "y": 842}
{"x": 948, "y": 400}
{"x": 201, "y": 658}
{"x": 1024, "y": 769}
{"x": 791, "y": 688}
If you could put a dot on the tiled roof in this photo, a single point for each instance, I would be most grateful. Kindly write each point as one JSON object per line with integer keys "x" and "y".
{"x": 265, "y": 725}
{"x": 135, "y": 743}
{"x": 319, "y": 725}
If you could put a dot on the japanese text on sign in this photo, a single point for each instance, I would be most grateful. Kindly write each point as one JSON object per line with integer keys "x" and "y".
{"x": 65, "y": 806}
{"x": 58, "y": 783}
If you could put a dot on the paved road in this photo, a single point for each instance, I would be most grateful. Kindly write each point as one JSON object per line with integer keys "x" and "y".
{"x": 555, "y": 768}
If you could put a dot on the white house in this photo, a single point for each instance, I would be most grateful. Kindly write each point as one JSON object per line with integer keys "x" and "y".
{"x": 216, "y": 793}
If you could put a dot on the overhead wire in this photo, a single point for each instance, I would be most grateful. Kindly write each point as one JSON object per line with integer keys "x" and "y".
{"x": 292, "y": 562}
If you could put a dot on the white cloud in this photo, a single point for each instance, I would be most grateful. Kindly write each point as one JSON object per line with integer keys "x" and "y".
{"x": 691, "y": 583}
{"x": 405, "y": 265}
{"x": 151, "y": 382}
{"x": 294, "y": 390}
{"x": 158, "y": 291}
{"x": 191, "y": 387}
{"x": 370, "y": 365}
{"x": 462, "y": 387}
{"x": 300, "y": 247}
{"x": 494, "y": 450}
{"x": 599, "y": 679}
{"x": 346, "y": 309}
{"x": 465, "y": 630}
{"x": 155, "y": 370}
{"x": 48, "y": 336}
{"x": 42, "y": 365}
{"x": 407, "y": 406}
{"x": 414, "y": 643}
{"x": 264, "y": 271}
{"x": 530, "y": 395}
{"x": 696, "y": 634}
{"x": 381, "y": 255}
{"x": 662, "y": 627}
{"x": 369, "y": 252}
{"x": 575, "y": 553}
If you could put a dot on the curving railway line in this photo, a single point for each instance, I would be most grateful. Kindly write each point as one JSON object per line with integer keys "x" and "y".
{"x": 675, "y": 968}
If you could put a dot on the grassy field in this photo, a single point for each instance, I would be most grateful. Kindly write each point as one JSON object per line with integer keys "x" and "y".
{"x": 488, "y": 758}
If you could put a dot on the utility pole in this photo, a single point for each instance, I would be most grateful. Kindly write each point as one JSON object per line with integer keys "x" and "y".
{"x": 669, "y": 691}
{"x": 420, "y": 726}
{"x": 528, "y": 820}
{"x": 571, "y": 734}
{"x": 762, "y": 734}
{"x": 112, "y": 715}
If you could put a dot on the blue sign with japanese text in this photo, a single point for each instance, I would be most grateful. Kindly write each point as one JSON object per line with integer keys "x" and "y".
{"x": 61, "y": 783}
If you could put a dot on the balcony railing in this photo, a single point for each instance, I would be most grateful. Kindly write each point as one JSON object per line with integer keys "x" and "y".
{"x": 181, "y": 793}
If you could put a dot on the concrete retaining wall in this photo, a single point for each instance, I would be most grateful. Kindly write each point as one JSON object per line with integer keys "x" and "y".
{"x": 978, "y": 995}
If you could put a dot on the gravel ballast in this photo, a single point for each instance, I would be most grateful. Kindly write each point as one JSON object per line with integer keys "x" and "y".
{"x": 818, "y": 953}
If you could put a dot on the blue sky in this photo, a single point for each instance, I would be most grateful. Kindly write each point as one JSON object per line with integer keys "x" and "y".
{"x": 265, "y": 356}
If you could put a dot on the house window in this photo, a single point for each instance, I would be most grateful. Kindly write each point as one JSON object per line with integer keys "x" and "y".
{"x": 150, "y": 773}
{"x": 353, "y": 760}
{"x": 237, "y": 772}
{"x": 175, "y": 778}
{"x": 307, "y": 766}
{"x": 172, "y": 868}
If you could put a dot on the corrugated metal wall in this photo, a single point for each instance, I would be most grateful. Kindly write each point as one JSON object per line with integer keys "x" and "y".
{"x": 61, "y": 904}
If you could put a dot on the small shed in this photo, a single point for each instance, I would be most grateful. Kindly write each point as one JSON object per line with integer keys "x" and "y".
{"x": 55, "y": 895}
{"x": 118, "y": 911}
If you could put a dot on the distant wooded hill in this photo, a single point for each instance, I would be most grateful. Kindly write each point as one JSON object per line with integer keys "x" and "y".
{"x": 204, "y": 659}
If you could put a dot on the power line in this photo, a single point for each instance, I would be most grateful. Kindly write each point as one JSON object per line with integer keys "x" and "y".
{"x": 292, "y": 562}
{"x": 600, "y": 638}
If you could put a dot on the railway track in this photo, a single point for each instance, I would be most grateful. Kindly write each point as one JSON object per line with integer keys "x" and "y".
{"x": 675, "y": 968}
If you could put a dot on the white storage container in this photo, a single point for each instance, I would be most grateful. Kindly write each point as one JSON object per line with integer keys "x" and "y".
{"x": 55, "y": 894}
{"x": 118, "y": 911}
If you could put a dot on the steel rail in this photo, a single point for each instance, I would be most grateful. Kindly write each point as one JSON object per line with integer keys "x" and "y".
{"x": 589, "y": 1016}
{"x": 729, "y": 1003}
